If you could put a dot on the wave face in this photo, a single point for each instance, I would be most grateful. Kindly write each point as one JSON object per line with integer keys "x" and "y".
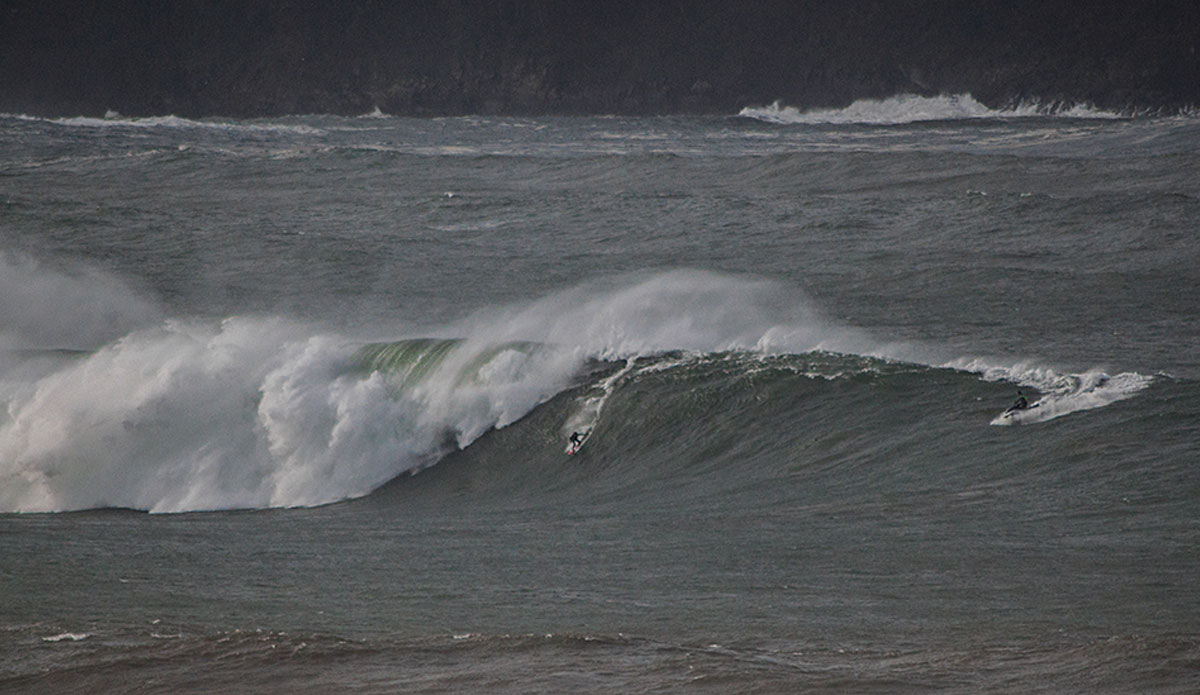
{"x": 907, "y": 108}
{"x": 742, "y": 429}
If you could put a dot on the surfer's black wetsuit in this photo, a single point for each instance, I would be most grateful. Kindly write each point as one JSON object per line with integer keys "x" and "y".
{"x": 1021, "y": 404}
{"x": 577, "y": 438}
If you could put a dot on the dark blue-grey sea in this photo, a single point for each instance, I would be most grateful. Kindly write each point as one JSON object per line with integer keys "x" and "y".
{"x": 286, "y": 403}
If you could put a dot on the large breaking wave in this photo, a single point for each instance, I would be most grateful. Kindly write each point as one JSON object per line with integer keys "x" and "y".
{"x": 255, "y": 412}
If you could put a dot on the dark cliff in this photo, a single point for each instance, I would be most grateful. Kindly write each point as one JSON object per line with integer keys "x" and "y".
{"x": 271, "y": 57}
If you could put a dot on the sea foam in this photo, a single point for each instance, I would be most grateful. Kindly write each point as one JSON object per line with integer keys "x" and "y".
{"x": 244, "y": 413}
{"x": 907, "y": 108}
{"x": 67, "y": 637}
{"x": 1062, "y": 394}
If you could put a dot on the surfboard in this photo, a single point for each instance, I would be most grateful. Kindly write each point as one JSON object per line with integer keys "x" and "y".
{"x": 573, "y": 448}
{"x": 1018, "y": 414}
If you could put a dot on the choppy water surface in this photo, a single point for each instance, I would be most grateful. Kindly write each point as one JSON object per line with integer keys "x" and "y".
{"x": 790, "y": 335}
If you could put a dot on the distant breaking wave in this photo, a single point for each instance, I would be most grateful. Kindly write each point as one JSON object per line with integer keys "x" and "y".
{"x": 908, "y": 108}
{"x": 115, "y": 120}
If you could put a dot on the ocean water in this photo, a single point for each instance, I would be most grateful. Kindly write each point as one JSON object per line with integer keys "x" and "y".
{"x": 338, "y": 361}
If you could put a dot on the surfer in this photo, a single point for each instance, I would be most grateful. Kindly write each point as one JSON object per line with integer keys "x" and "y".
{"x": 1021, "y": 404}
{"x": 577, "y": 439}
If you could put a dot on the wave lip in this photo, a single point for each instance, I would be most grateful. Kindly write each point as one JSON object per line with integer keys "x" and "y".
{"x": 909, "y": 108}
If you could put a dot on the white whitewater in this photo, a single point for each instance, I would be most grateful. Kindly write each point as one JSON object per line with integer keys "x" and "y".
{"x": 907, "y": 108}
